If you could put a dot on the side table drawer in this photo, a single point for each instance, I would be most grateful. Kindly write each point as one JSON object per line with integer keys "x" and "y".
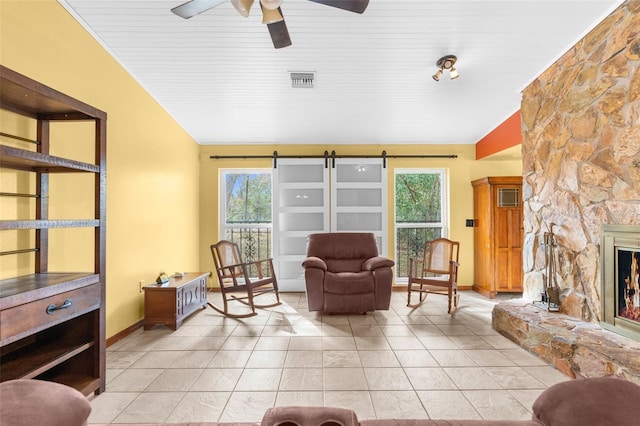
{"x": 23, "y": 320}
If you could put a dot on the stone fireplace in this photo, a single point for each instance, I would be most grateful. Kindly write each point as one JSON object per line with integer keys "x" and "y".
{"x": 581, "y": 159}
{"x": 620, "y": 260}
{"x": 581, "y": 172}
{"x": 582, "y": 348}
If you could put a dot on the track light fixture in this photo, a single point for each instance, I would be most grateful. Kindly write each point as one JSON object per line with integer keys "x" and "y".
{"x": 446, "y": 63}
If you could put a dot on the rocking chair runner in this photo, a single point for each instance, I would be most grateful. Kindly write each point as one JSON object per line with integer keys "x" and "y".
{"x": 436, "y": 272}
{"x": 234, "y": 277}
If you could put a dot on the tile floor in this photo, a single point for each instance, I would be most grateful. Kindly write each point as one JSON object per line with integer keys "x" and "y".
{"x": 397, "y": 363}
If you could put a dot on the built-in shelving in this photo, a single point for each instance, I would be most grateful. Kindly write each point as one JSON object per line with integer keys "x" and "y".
{"x": 52, "y": 324}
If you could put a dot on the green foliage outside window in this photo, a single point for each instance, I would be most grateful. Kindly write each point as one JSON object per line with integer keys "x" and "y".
{"x": 418, "y": 198}
{"x": 248, "y": 197}
{"x": 248, "y": 213}
{"x": 418, "y": 210}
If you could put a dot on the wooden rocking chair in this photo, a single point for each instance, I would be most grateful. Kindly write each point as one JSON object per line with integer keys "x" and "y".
{"x": 436, "y": 272}
{"x": 235, "y": 277}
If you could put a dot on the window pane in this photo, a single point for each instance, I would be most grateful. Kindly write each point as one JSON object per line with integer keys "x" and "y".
{"x": 248, "y": 198}
{"x": 410, "y": 245}
{"x": 247, "y": 212}
{"x": 418, "y": 198}
{"x": 419, "y": 214}
{"x": 508, "y": 197}
{"x": 254, "y": 243}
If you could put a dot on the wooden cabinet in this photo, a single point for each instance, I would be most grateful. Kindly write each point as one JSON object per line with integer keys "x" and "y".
{"x": 498, "y": 235}
{"x": 170, "y": 303}
{"x": 52, "y": 322}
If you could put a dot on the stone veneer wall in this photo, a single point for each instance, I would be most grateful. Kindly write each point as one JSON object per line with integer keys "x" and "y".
{"x": 581, "y": 157}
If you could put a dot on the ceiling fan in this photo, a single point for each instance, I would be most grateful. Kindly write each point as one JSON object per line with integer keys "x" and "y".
{"x": 271, "y": 13}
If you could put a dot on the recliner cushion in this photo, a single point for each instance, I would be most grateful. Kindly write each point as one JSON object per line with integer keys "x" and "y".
{"x": 348, "y": 283}
{"x": 344, "y": 265}
{"x": 342, "y": 245}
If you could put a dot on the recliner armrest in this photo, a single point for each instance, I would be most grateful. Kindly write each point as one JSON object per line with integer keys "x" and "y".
{"x": 314, "y": 262}
{"x": 377, "y": 262}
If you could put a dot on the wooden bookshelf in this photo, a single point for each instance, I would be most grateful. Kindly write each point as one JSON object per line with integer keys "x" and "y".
{"x": 52, "y": 324}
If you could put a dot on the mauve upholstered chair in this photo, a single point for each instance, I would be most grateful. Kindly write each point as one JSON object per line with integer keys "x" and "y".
{"x": 26, "y": 402}
{"x": 344, "y": 273}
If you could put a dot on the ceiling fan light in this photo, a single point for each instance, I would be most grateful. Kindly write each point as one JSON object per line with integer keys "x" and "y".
{"x": 242, "y": 6}
{"x": 453, "y": 73}
{"x": 271, "y": 16}
{"x": 271, "y": 4}
{"x": 437, "y": 75}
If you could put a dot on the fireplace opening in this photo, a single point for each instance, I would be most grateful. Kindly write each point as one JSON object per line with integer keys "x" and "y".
{"x": 620, "y": 266}
{"x": 628, "y": 283}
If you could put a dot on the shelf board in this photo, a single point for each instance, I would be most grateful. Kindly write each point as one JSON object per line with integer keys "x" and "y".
{"x": 22, "y": 159}
{"x": 19, "y": 290}
{"x": 33, "y": 361}
{"x": 6, "y": 225}
{"x": 82, "y": 383}
{"x": 25, "y": 96}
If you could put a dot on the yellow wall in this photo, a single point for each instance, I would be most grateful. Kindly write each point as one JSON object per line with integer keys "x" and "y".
{"x": 461, "y": 171}
{"x": 152, "y": 166}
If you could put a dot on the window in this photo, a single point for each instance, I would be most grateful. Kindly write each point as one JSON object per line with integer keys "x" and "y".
{"x": 420, "y": 213}
{"x": 246, "y": 211}
{"x": 508, "y": 197}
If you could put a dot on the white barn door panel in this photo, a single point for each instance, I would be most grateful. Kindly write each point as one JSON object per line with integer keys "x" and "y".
{"x": 301, "y": 207}
{"x": 359, "y": 198}
{"x": 349, "y": 195}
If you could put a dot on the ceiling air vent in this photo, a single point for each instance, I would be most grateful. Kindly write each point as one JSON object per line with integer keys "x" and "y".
{"x": 303, "y": 80}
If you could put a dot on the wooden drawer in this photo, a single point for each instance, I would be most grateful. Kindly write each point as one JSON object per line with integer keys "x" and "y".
{"x": 23, "y": 320}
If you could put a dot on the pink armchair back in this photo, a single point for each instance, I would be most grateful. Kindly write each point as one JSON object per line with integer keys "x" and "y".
{"x": 345, "y": 274}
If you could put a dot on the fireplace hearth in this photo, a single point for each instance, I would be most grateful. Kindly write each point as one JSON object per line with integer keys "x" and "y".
{"x": 620, "y": 266}
{"x": 575, "y": 347}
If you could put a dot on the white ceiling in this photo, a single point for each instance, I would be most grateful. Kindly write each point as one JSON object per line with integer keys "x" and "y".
{"x": 219, "y": 76}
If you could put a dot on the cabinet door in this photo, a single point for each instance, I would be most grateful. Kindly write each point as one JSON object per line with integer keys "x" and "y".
{"x": 483, "y": 237}
{"x": 508, "y": 240}
{"x": 359, "y": 198}
{"x": 301, "y": 207}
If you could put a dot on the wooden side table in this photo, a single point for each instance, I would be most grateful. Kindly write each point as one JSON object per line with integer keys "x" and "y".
{"x": 170, "y": 303}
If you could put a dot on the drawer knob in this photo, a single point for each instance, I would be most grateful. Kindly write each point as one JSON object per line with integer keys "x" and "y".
{"x": 51, "y": 308}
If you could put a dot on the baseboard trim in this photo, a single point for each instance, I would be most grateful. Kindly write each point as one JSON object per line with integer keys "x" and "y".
{"x": 403, "y": 287}
{"x": 124, "y": 333}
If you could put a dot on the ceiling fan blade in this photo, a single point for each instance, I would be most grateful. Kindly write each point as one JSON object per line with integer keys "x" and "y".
{"x": 357, "y": 6}
{"x": 279, "y": 33}
{"x": 195, "y": 7}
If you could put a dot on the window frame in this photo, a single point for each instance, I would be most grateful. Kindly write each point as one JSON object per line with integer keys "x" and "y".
{"x": 224, "y": 225}
{"x": 444, "y": 210}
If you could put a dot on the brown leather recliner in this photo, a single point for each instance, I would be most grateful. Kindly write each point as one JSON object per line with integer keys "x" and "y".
{"x": 345, "y": 274}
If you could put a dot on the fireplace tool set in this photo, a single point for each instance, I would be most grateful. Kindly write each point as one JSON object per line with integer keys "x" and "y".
{"x": 551, "y": 295}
